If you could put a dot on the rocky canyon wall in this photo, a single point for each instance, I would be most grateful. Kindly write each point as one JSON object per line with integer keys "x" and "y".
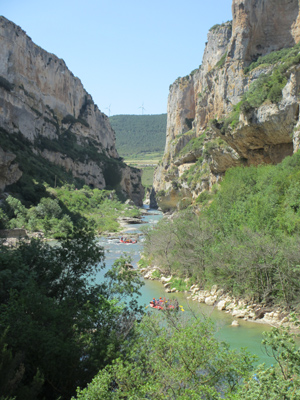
{"x": 200, "y": 147}
{"x": 43, "y": 101}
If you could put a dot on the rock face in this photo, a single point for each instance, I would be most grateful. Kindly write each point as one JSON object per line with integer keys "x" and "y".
{"x": 198, "y": 152}
{"x": 44, "y": 102}
{"x": 9, "y": 171}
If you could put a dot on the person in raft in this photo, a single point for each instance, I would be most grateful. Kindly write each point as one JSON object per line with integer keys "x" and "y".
{"x": 153, "y": 301}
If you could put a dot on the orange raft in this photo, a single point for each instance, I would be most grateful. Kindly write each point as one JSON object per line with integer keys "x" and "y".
{"x": 162, "y": 305}
{"x": 127, "y": 241}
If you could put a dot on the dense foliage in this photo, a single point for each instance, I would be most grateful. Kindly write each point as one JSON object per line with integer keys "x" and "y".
{"x": 57, "y": 214}
{"x": 172, "y": 358}
{"x": 286, "y": 56}
{"x": 138, "y": 135}
{"x": 281, "y": 380}
{"x": 38, "y": 172}
{"x": 246, "y": 239}
{"x": 178, "y": 358}
{"x": 57, "y": 326}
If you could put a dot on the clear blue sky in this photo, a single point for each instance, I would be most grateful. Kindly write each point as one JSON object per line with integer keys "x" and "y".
{"x": 125, "y": 52}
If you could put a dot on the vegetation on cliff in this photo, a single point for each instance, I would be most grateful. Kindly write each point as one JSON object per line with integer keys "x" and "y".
{"x": 37, "y": 171}
{"x": 275, "y": 71}
{"x": 246, "y": 238}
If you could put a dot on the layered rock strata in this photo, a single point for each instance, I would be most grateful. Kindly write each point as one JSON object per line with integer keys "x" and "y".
{"x": 265, "y": 134}
{"x": 43, "y": 101}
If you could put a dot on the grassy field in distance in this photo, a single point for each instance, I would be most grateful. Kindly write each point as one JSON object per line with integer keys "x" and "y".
{"x": 147, "y": 177}
{"x": 147, "y": 163}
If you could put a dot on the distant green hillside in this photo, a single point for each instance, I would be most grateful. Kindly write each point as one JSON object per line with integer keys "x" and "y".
{"x": 138, "y": 135}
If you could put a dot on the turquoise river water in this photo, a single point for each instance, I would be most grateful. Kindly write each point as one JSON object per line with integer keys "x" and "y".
{"x": 247, "y": 334}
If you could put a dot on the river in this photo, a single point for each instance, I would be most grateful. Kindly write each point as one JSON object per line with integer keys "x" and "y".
{"x": 247, "y": 334}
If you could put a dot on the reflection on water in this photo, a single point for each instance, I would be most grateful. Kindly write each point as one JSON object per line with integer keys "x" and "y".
{"x": 248, "y": 334}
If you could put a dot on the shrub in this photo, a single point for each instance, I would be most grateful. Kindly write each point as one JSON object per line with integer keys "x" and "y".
{"x": 179, "y": 284}
{"x": 203, "y": 197}
{"x": 161, "y": 193}
{"x": 69, "y": 119}
{"x": 184, "y": 203}
{"x": 193, "y": 145}
{"x": 287, "y": 57}
{"x": 221, "y": 62}
{"x": 156, "y": 274}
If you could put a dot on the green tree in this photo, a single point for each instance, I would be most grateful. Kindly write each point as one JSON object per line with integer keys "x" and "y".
{"x": 64, "y": 325}
{"x": 3, "y": 219}
{"x": 172, "y": 358}
{"x": 16, "y": 212}
{"x": 282, "y": 380}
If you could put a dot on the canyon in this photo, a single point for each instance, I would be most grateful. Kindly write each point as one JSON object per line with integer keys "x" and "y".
{"x": 200, "y": 146}
{"x": 44, "y": 106}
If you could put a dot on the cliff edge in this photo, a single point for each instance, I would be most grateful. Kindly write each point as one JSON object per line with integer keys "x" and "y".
{"x": 240, "y": 107}
{"x": 45, "y": 109}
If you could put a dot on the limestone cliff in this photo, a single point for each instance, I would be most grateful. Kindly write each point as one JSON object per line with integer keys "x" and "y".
{"x": 211, "y": 124}
{"x": 45, "y": 106}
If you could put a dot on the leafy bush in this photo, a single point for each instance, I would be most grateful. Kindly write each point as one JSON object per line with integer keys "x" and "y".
{"x": 279, "y": 381}
{"x": 65, "y": 208}
{"x": 164, "y": 363}
{"x": 288, "y": 56}
{"x": 193, "y": 175}
{"x": 222, "y": 60}
{"x": 184, "y": 203}
{"x": 204, "y": 197}
{"x": 267, "y": 86}
{"x": 161, "y": 193}
{"x": 179, "y": 284}
{"x": 156, "y": 274}
{"x": 57, "y": 327}
{"x": 193, "y": 145}
{"x": 69, "y": 119}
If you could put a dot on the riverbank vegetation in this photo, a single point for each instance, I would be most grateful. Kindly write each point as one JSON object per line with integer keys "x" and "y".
{"x": 245, "y": 239}
{"x": 175, "y": 358}
{"x": 62, "y": 209}
{"x": 59, "y": 329}
{"x": 172, "y": 358}
{"x": 58, "y": 326}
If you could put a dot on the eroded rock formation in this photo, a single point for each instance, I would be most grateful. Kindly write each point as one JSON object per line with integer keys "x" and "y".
{"x": 199, "y": 151}
{"x": 43, "y": 101}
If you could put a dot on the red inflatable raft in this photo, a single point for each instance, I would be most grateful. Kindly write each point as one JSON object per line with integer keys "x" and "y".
{"x": 127, "y": 241}
{"x": 161, "y": 305}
